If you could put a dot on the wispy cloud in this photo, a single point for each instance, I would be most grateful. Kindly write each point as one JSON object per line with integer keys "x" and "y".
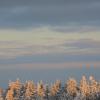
{"x": 45, "y": 40}
{"x": 71, "y": 29}
{"x": 48, "y": 34}
{"x": 53, "y": 27}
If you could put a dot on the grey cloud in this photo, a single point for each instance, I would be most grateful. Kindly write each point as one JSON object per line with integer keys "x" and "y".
{"x": 12, "y": 49}
{"x": 76, "y": 29}
{"x": 5, "y": 3}
{"x": 29, "y": 13}
{"x": 84, "y": 44}
{"x": 15, "y": 49}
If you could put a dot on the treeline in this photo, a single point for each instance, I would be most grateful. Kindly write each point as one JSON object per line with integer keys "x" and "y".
{"x": 71, "y": 90}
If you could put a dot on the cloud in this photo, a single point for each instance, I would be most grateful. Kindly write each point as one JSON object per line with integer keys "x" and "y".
{"x": 23, "y": 14}
{"x": 48, "y": 34}
{"x": 46, "y": 40}
{"x": 84, "y": 43}
{"x": 70, "y": 29}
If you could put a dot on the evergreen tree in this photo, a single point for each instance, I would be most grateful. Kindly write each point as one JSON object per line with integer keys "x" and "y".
{"x": 9, "y": 95}
{"x": 30, "y": 90}
{"x": 47, "y": 92}
{"x": 40, "y": 90}
{"x": 84, "y": 88}
{"x": 1, "y": 94}
{"x": 72, "y": 88}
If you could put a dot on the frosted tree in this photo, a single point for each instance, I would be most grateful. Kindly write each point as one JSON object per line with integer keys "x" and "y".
{"x": 9, "y": 95}
{"x": 58, "y": 84}
{"x": 94, "y": 89}
{"x": 30, "y": 90}
{"x": 71, "y": 88}
{"x": 40, "y": 90}
{"x": 93, "y": 85}
{"x": 15, "y": 86}
{"x": 55, "y": 89}
{"x": 84, "y": 88}
{"x": 28, "y": 94}
{"x": 1, "y": 94}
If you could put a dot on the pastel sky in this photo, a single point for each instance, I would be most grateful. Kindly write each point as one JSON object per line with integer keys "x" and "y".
{"x": 49, "y": 35}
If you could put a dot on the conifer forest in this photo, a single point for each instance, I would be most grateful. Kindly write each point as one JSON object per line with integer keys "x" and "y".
{"x": 85, "y": 89}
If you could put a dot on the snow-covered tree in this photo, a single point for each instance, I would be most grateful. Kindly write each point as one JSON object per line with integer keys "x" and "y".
{"x": 72, "y": 87}
{"x": 40, "y": 90}
{"x": 9, "y": 95}
{"x": 94, "y": 89}
{"x": 1, "y": 94}
{"x": 84, "y": 88}
{"x": 30, "y": 90}
{"x": 53, "y": 90}
{"x": 15, "y": 87}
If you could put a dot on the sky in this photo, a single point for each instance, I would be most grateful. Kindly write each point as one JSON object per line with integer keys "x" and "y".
{"x": 49, "y": 39}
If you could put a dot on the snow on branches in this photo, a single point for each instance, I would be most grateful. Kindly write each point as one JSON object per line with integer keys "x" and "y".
{"x": 71, "y": 90}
